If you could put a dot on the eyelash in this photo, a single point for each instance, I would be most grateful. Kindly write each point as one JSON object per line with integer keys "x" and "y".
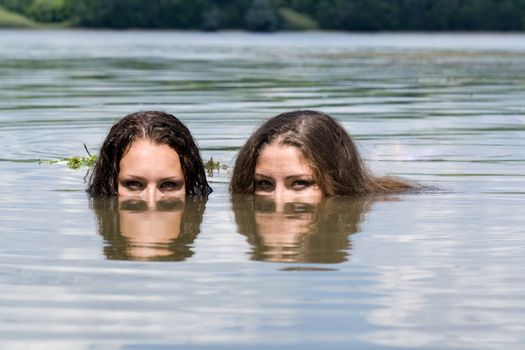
{"x": 267, "y": 185}
{"x": 133, "y": 185}
{"x": 302, "y": 183}
{"x": 169, "y": 186}
{"x": 263, "y": 184}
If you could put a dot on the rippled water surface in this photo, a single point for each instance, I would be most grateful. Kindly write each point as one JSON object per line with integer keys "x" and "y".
{"x": 438, "y": 270}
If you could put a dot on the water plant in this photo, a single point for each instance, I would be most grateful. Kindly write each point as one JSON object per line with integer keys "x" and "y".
{"x": 77, "y": 162}
{"x": 211, "y": 166}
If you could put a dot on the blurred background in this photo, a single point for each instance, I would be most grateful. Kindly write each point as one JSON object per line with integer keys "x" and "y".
{"x": 269, "y": 15}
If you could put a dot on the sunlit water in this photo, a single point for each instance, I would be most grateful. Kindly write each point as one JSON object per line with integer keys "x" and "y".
{"x": 438, "y": 270}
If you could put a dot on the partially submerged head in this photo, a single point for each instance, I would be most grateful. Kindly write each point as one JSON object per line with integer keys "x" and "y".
{"x": 155, "y": 149}
{"x": 316, "y": 141}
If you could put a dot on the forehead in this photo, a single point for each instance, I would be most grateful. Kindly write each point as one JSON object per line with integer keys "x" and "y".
{"x": 279, "y": 159}
{"x": 145, "y": 147}
{"x": 145, "y": 158}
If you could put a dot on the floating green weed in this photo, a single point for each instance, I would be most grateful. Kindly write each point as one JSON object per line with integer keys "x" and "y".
{"x": 75, "y": 162}
{"x": 212, "y": 165}
{"x": 78, "y": 162}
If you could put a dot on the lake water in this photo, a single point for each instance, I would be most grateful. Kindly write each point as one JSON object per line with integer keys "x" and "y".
{"x": 438, "y": 270}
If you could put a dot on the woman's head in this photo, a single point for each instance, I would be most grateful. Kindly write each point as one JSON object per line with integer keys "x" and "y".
{"x": 323, "y": 143}
{"x": 324, "y": 150}
{"x": 153, "y": 149}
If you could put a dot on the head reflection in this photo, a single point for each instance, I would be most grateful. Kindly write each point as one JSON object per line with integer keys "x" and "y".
{"x": 134, "y": 230}
{"x": 306, "y": 230}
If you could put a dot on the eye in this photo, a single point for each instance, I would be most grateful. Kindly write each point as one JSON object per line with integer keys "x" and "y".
{"x": 263, "y": 185}
{"x": 170, "y": 186}
{"x": 133, "y": 185}
{"x": 301, "y": 184}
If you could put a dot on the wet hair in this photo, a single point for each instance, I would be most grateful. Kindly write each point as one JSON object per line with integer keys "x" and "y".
{"x": 326, "y": 147}
{"x": 157, "y": 127}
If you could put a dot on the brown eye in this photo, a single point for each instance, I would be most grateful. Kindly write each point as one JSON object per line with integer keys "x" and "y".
{"x": 263, "y": 185}
{"x": 170, "y": 186}
{"x": 133, "y": 185}
{"x": 301, "y": 184}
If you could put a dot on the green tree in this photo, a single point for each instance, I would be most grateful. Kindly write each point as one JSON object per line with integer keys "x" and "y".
{"x": 49, "y": 10}
{"x": 139, "y": 13}
{"x": 210, "y": 19}
{"x": 260, "y": 17}
{"x": 263, "y": 15}
{"x": 19, "y": 6}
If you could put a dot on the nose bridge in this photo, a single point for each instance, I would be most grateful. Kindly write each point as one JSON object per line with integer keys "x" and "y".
{"x": 281, "y": 193}
{"x": 151, "y": 195}
{"x": 280, "y": 190}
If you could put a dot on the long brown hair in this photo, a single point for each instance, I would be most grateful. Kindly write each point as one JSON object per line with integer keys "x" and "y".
{"x": 160, "y": 128}
{"x": 326, "y": 146}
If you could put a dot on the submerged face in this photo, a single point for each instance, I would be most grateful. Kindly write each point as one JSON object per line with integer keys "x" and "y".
{"x": 281, "y": 171}
{"x": 150, "y": 172}
{"x": 282, "y": 224}
{"x": 150, "y": 230}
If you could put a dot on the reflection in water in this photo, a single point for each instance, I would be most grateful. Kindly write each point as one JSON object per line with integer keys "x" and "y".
{"x": 301, "y": 231}
{"x": 134, "y": 231}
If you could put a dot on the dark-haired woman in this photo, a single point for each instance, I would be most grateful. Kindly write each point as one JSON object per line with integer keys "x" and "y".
{"x": 149, "y": 155}
{"x": 306, "y": 154}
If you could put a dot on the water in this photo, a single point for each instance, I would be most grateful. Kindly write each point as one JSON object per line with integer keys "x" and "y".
{"x": 441, "y": 270}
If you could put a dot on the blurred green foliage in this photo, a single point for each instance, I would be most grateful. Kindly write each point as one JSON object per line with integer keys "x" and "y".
{"x": 49, "y": 10}
{"x": 261, "y": 17}
{"x": 268, "y": 15}
{"x": 9, "y": 19}
{"x": 293, "y": 20}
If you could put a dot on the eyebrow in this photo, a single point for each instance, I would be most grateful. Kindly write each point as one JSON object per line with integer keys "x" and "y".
{"x": 131, "y": 177}
{"x": 137, "y": 177}
{"x": 288, "y": 177}
{"x": 172, "y": 178}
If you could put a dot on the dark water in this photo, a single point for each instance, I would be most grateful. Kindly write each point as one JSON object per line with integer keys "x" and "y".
{"x": 438, "y": 270}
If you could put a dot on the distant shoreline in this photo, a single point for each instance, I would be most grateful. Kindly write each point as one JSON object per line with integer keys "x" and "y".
{"x": 347, "y": 17}
{"x": 55, "y": 27}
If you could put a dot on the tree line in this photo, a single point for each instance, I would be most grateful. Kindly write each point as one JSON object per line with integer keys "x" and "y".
{"x": 270, "y": 15}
